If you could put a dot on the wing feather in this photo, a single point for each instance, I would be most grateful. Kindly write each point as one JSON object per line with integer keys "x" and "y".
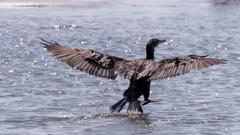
{"x": 92, "y": 62}
{"x": 78, "y": 66}
{"x": 74, "y": 61}
{"x": 194, "y": 66}
{"x": 102, "y": 65}
{"x": 182, "y": 65}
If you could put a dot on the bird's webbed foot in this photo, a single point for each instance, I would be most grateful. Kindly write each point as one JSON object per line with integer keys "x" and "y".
{"x": 148, "y": 101}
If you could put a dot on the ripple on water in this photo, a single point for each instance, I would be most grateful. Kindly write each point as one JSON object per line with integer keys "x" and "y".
{"x": 89, "y": 117}
{"x": 37, "y": 91}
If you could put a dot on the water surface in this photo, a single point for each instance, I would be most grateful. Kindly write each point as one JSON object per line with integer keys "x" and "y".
{"x": 40, "y": 95}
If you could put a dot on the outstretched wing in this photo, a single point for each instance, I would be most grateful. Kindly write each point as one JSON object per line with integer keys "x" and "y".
{"x": 181, "y": 65}
{"x": 90, "y": 61}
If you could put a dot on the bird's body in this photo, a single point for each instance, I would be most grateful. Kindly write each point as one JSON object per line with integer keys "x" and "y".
{"x": 137, "y": 88}
{"x": 140, "y": 72}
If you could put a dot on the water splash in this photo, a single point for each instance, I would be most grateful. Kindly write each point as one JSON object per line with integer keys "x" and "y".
{"x": 89, "y": 117}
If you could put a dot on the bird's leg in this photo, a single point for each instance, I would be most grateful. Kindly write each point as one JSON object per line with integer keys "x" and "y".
{"x": 148, "y": 101}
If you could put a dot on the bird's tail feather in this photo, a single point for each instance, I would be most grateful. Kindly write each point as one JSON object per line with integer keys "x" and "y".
{"x": 134, "y": 107}
{"x": 116, "y": 108}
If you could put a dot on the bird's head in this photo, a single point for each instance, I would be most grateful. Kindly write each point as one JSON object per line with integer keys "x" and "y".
{"x": 155, "y": 42}
{"x": 150, "y": 47}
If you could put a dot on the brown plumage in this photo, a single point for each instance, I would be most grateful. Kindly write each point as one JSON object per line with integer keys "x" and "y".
{"x": 140, "y": 72}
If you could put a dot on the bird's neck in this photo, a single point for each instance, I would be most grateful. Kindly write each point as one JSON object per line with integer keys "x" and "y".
{"x": 150, "y": 52}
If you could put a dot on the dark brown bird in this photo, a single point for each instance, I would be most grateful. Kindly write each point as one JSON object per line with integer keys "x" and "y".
{"x": 140, "y": 72}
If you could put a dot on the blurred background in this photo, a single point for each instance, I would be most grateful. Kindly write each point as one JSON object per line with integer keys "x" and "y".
{"x": 40, "y": 95}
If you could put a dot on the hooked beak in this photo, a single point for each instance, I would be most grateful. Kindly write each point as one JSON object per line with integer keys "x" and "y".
{"x": 160, "y": 41}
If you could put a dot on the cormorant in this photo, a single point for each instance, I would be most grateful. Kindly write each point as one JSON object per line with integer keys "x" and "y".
{"x": 140, "y": 72}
